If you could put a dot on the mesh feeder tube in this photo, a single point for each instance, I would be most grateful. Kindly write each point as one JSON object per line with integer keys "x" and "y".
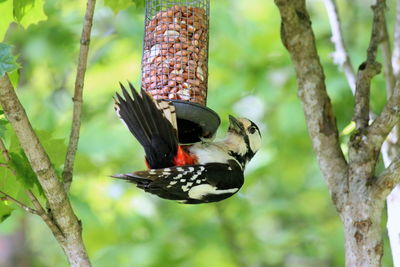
{"x": 175, "y": 63}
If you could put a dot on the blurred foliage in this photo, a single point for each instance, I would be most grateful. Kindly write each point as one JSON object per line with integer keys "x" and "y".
{"x": 7, "y": 60}
{"x": 283, "y": 215}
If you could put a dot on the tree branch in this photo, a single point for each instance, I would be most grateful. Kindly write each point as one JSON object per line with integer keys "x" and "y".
{"x": 396, "y": 46}
{"x": 385, "y": 122}
{"x": 59, "y": 204}
{"x": 390, "y": 149}
{"x": 340, "y": 56}
{"x": 387, "y": 62}
{"x": 38, "y": 207}
{"x": 369, "y": 68}
{"x": 298, "y": 38}
{"x": 55, "y": 229}
{"x": 77, "y": 99}
{"x": 387, "y": 180}
{"x": 17, "y": 202}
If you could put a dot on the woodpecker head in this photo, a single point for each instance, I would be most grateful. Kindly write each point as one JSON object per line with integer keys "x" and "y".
{"x": 244, "y": 139}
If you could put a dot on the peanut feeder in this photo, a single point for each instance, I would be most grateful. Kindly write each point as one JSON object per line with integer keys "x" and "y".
{"x": 175, "y": 63}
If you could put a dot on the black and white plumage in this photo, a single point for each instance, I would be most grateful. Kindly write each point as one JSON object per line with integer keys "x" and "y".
{"x": 150, "y": 127}
{"x": 199, "y": 173}
{"x": 191, "y": 184}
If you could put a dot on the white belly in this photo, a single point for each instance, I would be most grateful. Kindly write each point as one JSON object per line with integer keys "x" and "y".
{"x": 206, "y": 153}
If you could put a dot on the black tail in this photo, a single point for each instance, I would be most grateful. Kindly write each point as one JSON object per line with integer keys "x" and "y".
{"x": 153, "y": 131}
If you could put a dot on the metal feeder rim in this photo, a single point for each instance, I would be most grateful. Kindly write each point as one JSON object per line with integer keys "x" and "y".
{"x": 206, "y": 118}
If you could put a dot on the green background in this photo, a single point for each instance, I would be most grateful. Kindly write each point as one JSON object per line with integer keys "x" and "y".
{"x": 282, "y": 216}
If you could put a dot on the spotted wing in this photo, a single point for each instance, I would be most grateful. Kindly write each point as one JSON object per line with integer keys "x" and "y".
{"x": 190, "y": 184}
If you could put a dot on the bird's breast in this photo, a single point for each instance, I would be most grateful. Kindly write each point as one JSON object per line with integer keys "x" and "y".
{"x": 206, "y": 153}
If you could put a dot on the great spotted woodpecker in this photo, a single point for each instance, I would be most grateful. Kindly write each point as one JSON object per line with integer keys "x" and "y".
{"x": 199, "y": 173}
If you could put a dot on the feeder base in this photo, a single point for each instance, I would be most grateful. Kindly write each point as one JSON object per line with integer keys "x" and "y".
{"x": 194, "y": 121}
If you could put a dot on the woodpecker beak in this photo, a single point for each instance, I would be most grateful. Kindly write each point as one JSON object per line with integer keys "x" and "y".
{"x": 235, "y": 125}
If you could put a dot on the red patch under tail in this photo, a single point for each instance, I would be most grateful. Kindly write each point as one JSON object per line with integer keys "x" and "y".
{"x": 183, "y": 158}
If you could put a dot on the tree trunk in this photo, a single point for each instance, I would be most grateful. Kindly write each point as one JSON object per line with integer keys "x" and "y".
{"x": 393, "y": 224}
{"x": 75, "y": 251}
{"x": 363, "y": 234}
{"x": 357, "y": 193}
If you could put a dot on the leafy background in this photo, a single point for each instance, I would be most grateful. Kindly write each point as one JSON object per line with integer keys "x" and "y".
{"x": 283, "y": 215}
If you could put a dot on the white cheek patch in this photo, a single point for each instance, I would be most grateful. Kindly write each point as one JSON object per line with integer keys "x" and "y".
{"x": 199, "y": 191}
{"x": 255, "y": 142}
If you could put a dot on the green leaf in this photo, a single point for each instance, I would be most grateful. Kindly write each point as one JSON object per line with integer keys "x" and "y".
{"x": 16, "y": 186}
{"x": 28, "y": 12}
{"x": 14, "y": 78}
{"x": 19, "y": 162}
{"x": 118, "y": 5}
{"x": 7, "y": 60}
{"x": 5, "y": 210}
{"x": 25, "y": 12}
{"x": 9, "y": 185}
{"x": 349, "y": 128}
{"x": 6, "y": 11}
{"x": 55, "y": 147}
{"x": 3, "y": 124}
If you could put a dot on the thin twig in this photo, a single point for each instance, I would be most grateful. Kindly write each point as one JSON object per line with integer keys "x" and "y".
{"x": 369, "y": 68}
{"x": 4, "y": 151}
{"x": 340, "y": 56}
{"x": 6, "y": 156}
{"x": 363, "y": 85}
{"x": 390, "y": 79}
{"x": 17, "y": 202}
{"x": 390, "y": 149}
{"x": 45, "y": 216}
{"x": 230, "y": 235}
{"x": 387, "y": 62}
{"x": 396, "y": 43}
{"x": 384, "y": 123}
{"x": 388, "y": 179}
{"x": 77, "y": 99}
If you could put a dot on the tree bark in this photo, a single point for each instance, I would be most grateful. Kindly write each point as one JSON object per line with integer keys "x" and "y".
{"x": 357, "y": 193}
{"x": 363, "y": 241}
{"x": 361, "y": 219}
{"x": 391, "y": 150}
{"x": 78, "y": 95}
{"x": 299, "y": 40}
{"x": 70, "y": 234}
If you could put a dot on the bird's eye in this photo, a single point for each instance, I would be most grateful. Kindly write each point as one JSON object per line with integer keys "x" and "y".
{"x": 252, "y": 129}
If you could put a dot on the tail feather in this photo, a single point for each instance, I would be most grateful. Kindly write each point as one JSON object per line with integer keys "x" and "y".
{"x": 146, "y": 184}
{"x": 149, "y": 125}
{"x": 139, "y": 181}
{"x": 134, "y": 108}
{"x": 130, "y": 118}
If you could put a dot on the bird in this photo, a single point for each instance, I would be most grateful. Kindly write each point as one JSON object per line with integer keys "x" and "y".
{"x": 202, "y": 172}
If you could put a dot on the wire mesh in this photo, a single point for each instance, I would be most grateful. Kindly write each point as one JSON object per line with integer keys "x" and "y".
{"x": 175, "y": 50}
